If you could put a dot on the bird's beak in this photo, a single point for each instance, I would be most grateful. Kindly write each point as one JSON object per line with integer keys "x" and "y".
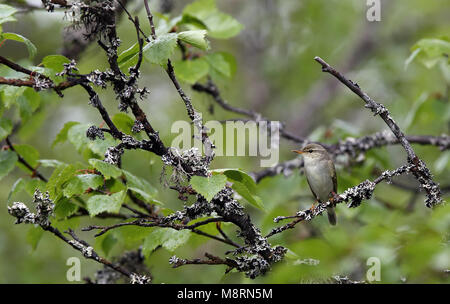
{"x": 298, "y": 151}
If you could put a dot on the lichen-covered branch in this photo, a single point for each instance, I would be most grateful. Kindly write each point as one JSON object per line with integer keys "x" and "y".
{"x": 419, "y": 169}
{"x": 353, "y": 196}
{"x": 44, "y": 209}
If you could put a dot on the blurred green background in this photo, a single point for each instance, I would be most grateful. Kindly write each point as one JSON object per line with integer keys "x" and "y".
{"x": 276, "y": 76}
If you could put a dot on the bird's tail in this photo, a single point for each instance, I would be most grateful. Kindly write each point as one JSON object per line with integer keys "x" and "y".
{"x": 331, "y": 215}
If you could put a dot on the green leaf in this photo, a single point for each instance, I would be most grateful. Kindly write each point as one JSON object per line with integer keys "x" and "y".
{"x": 5, "y": 127}
{"x": 237, "y": 175}
{"x": 8, "y": 160}
{"x": 64, "y": 208}
{"x": 34, "y": 235}
{"x": 54, "y": 64}
{"x": 123, "y": 122}
{"x": 62, "y": 135}
{"x": 159, "y": 51}
{"x": 219, "y": 25}
{"x": 11, "y": 94}
{"x": 77, "y": 136}
{"x": 29, "y": 154}
{"x": 222, "y": 26}
{"x": 19, "y": 38}
{"x": 50, "y": 163}
{"x": 200, "y": 8}
{"x": 60, "y": 175}
{"x": 195, "y": 38}
{"x": 105, "y": 203}
{"x": 430, "y": 51}
{"x": 245, "y": 193}
{"x": 6, "y": 13}
{"x": 107, "y": 243}
{"x": 208, "y": 187}
{"x": 80, "y": 183}
{"x": 106, "y": 169}
{"x": 16, "y": 188}
{"x": 131, "y": 236}
{"x": 129, "y": 56}
{"x": 33, "y": 184}
{"x": 222, "y": 63}
{"x": 140, "y": 186}
{"x": 168, "y": 238}
{"x": 243, "y": 184}
{"x": 191, "y": 71}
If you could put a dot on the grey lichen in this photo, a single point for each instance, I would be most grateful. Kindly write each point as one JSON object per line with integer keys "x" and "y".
{"x": 44, "y": 209}
{"x": 94, "y": 132}
{"x": 112, "y": 155}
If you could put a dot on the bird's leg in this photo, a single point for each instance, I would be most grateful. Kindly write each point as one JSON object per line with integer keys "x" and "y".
{"x": 313, "y": 205}
{"x": 334, "y": 197}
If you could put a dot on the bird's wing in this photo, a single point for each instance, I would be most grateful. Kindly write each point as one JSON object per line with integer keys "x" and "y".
{"x": 309, "y": 184}
{"x": 333, "y": 175}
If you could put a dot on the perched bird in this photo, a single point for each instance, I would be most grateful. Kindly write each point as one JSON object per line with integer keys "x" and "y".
{"x": 320, "y": 174}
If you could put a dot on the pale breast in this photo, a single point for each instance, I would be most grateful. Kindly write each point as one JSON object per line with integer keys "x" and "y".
{"x": 319, "y": 179}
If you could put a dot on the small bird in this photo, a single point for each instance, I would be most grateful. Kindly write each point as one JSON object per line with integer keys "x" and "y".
{"x": 321, "y": 175}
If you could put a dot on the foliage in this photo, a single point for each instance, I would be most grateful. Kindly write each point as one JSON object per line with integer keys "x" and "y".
{"x": 206, "y": 44}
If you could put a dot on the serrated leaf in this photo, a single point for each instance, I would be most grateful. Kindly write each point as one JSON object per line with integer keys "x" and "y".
{"x": 159, "y": 51}
{"x": 8, "y": 160}
{"x": 19, "y": 38}
{"x": 195, "y": 38}
{"x": 11, "y": 94}
{"x": 222, "y": 63}
{"x": 59, "y": 176}
{"x": 78, "y": 184}
{"x": 64, "y": 208}
{"x": 191, "y": 71}
{"x": 16, "y": 188}
{"x": 208, "y": 187}
{"x": 62, "y": 135}
{"x": 222, "y": 26}
{"x": 105, "y": 203}
{"x": 106, "y": 169}
{"x": 168, "y": 238}
{"x": 5, "y": 127}
{"x": 219, "y": 25}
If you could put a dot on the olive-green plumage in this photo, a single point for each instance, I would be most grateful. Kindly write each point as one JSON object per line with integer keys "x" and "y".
{"x": 321, "y": 175}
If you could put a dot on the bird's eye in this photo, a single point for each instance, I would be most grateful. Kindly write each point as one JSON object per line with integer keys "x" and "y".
{"x": 310, "y": 151}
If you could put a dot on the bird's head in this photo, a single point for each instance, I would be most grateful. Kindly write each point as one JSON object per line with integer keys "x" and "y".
{"x": 312, "y": 151}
